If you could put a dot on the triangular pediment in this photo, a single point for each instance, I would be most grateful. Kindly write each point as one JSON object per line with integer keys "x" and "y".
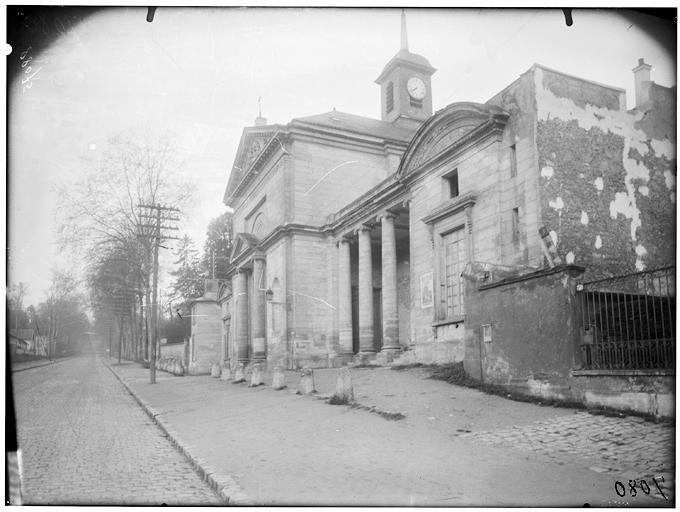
{"x": 253, "y": 141}
{"x": 243, "y": 243}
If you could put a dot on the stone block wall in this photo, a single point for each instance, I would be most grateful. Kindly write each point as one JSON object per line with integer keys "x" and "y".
{"x": 518, "y": 191}
{"x": 267, "y": 195}
{"x": 327, "y": 177}
{"x": 311, "y": 309}
{"x": 277, "y": 309}
{"x": 206, "y": 336}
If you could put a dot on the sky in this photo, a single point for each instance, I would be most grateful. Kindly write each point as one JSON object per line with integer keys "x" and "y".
{"x": 197, "y": 73}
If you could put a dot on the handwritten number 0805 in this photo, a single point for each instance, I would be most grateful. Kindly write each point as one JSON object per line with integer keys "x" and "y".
{"x": 620, "y": 488}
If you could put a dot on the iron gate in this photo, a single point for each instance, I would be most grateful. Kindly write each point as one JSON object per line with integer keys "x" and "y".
{"x": 628, "y": 322}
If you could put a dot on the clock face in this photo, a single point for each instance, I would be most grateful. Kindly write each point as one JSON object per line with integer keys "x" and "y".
{"x": 416, "y": 88}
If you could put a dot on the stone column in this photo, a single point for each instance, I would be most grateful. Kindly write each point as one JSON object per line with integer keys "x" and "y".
{"x": 259, "y": 327}
{"x": 365, "y": 292}
{"x": 390, "y": 304}
{"x": 344, "y": 298}
{"x": 240, "y": 293}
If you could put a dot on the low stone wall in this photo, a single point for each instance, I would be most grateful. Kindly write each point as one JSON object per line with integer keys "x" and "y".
{"x": 523, "y": 333}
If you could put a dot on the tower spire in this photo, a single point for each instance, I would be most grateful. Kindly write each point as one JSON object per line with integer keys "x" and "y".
{"x": 259, "y": 120}
{"x": 404, "y": 35}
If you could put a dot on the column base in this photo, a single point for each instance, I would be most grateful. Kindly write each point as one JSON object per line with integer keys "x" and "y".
{"x": 364, "y": 358}
{"x": 387, "y": 355}
{"x": 340, "y": 360}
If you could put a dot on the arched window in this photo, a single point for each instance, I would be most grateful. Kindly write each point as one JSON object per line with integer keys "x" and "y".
{"x": 257, "y": 228}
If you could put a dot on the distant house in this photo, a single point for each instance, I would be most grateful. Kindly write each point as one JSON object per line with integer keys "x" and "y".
{"x": 17, "y": 345}
{"x": 27, "y": 341}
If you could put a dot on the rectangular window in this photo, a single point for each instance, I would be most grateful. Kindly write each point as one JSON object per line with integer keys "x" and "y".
{"x": 515, "y": 225}
{"x": 454, "y": 253}
{"x": 451, "y": 180}
{"x": 513, "y": 161}
{"x": 416, "y": 103}
{"x": 389, "y": 97}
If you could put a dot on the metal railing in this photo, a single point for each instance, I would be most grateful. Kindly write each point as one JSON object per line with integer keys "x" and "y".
{"x": 628, "y": 322}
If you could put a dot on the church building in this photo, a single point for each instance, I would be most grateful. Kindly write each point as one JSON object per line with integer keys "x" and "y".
{"x": 363, "y": 240}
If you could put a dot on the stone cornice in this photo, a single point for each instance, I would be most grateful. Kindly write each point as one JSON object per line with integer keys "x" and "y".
{"x": 250, "y": 253}
{"x": 450, "y": 207}
{"x": 345, "y": 137}
{"x": 382, "y": 197}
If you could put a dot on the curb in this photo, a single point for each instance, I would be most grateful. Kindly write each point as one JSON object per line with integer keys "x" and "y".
{"x": 223, "y": 485}
{"x": 47, "y": 363}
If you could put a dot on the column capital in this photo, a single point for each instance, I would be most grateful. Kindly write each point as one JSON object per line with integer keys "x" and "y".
{"x": 387, "y": 215}
{"x": 363, "y": 227}
{"x": 343, "y": 239}
{"x": 241, "y": 270}
{"x": 259, "y": 257}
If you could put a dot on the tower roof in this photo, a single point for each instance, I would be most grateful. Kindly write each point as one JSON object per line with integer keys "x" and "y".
{"x": 405, "y": 57}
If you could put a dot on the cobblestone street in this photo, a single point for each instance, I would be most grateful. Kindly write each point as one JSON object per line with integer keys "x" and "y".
{"x": 84, "y": 440}
{"x": 612, "y": 445}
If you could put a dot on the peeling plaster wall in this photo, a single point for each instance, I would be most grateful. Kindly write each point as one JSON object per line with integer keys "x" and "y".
{"x": 607, "y": 176}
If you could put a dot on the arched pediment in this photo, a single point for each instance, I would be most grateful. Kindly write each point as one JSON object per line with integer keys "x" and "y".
{"x": 451, "y": 127}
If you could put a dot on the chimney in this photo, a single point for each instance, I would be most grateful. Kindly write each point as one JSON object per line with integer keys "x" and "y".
{"x": 642, "y": 83}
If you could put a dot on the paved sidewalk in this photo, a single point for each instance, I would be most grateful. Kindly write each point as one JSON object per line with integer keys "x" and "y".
{"x": 265, "y": 447}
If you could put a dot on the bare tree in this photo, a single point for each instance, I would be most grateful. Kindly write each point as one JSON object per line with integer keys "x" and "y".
{"x": 100, "y": 213}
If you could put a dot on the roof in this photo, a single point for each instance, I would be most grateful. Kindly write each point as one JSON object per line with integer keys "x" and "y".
{"x": 24, "y": 334}
{"x": 404, "y": 56}
{"x": 358, "y": 124}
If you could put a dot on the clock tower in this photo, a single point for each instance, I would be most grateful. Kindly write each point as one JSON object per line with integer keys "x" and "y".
{"x": 406, "y": 86}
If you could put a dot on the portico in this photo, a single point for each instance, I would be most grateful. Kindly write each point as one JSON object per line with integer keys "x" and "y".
{"x": 373, "y": 310}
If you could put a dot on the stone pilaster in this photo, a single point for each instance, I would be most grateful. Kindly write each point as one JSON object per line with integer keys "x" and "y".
{"x": 259, "y": 305}
{"x": 390, "y": 305}
{"x": 344, "y": 298}
{"x": 366, "y": 338}
{"x": 240, "y": 296}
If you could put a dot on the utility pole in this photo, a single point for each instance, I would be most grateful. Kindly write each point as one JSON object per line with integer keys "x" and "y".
{"x": 154, "y": 213}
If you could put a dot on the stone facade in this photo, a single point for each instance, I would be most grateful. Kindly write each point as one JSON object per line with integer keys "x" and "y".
{"x": 205, "y": 344}
{"x": 354, "y": 235}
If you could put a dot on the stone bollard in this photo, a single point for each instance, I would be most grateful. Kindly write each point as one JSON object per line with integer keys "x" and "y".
{"x": 278, "y": 379}
{"x": 344, "y": 392}
{"x": 239, "y": 375}
{"x": 215, "y": 371}
{"x": 306, "y": 382}
{"x": 226, "y": 373}
{"x": 256, "y": 377}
